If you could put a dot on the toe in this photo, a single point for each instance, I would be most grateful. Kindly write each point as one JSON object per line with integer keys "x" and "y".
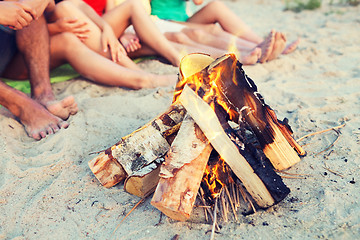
{"x": 63, "y": 124}
{"x": 54, "y": 128}
{"x": 42, "y": 133}
{"x": 49, "y": 130}
{"x": 35, "y": 135}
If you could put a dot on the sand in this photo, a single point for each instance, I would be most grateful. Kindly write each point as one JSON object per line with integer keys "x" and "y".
{"x": 47, "y": 190}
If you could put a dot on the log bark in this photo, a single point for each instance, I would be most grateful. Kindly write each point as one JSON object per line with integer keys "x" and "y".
{"x": 207, "y": 120}
{"x": 142, "y": 183}
{"x": 238, "y": 94}
{"x": 107, "y": 170}
{"x": 182, "y": 172}
{"x": 138, "y": 149}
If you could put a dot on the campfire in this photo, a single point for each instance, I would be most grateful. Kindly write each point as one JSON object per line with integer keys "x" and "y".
{"x": 218, "y": 142}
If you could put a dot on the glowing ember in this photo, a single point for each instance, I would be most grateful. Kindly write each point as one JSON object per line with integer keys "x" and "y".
{"x": 216, "y": 175}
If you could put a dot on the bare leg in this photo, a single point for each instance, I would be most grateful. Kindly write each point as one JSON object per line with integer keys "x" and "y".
{"x": 133, "y": 12}
{"x": 218, "y": 12}
{"x": 185, "y": 44}
{"x": 213, "y": 35}
{"x": 38, "y": 122}
{"x": 191, "y": 46}
{"x": 93, "y": 41}
{"x": 66, "y": 47}
{"x": 33, "y": 44}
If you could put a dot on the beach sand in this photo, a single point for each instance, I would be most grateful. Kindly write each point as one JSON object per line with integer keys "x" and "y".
{"x": 47, "y": 190}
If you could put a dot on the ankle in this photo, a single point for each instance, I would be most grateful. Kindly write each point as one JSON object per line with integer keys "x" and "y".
{"x": 42, "y": 95}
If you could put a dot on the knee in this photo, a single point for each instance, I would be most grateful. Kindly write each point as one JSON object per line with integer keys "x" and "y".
{"x": 64, "y": 7}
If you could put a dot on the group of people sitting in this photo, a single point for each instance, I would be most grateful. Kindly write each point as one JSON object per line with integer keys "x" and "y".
{"x": 99, "y": 39}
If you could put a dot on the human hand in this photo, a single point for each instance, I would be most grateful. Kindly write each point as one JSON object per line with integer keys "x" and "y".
{"x": 109, "y": 41}
{"x": 40, "y": 5}
{"x": 130, "y": 42}
{"x": 74, "y": 26}
{"x": 17, "y": 15}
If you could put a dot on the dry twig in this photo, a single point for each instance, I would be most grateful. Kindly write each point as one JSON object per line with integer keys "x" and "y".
{"x": 331, "y": 145}
{"x": 326, "y": 130}
{"x": 136, "y": 205}
{"x": 231, "y": 202}
{"x": 293, "y": 177}
{"x": 333, "y": 172}
{"x": 212, "y": 236}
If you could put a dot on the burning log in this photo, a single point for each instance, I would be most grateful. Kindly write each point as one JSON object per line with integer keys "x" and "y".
{"x": 231, "y": 149}
{"x": 213, "y": 93}
{"x": 182, "y": 171}
{"x": 137, "y": 150}
{"x": 237, "y": 93}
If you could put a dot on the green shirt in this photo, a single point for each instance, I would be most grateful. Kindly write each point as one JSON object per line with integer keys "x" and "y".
{"x": 169, "y": 9}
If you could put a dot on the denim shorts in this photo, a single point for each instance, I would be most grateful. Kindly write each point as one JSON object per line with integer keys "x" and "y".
{"x": 7, "y": 46}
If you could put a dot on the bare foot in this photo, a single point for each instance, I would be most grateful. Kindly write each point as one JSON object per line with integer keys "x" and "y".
{"x": 64, "y": 108}
{"x": 291, "y": 47}
{"x": 267, "y": 46}
{"x": 38, "y": 122}
{"x": 279, "y": 46}
{"x": 130, "y": 42}
{"x": 164, "y": 80}
{"x": 252, "y": 57}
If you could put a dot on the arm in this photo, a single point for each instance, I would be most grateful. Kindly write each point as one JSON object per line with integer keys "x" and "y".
{"x": 16, "y": 14}
{"x": 40, "y": 6}
{"x": 108, "y": 38}
{"x": 19, "y": 14}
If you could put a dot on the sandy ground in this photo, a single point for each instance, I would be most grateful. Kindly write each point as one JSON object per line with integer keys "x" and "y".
{"x": 47, "y": 190}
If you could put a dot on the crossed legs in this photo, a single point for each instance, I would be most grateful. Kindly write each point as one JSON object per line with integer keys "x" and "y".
{"x": 133, "y": 12}
{"x": 203, "y": 23}
{"x": 119, "y": 18}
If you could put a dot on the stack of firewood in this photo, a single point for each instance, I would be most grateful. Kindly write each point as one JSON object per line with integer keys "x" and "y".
{"x": 217, "y": 111}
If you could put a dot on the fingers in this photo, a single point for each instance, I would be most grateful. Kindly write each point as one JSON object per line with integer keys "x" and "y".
{"x": 117, "y": 51}
{"x": 29, "y": 11}
{"x": 104, "y": 44}
{"x": 23, "y": 21}
{"x": 133, "y": 45}
{"x": 77, "y": 27}
{"x": 25, "y": 15}
{"x": 122, "y": 49}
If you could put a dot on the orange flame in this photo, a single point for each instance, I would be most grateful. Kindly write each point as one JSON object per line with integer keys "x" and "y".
{"x": 212, "y": 177}
{"x": 206, "y": 83}
{"x": 210, "y": 85}
{"x": 216, "y": 175}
